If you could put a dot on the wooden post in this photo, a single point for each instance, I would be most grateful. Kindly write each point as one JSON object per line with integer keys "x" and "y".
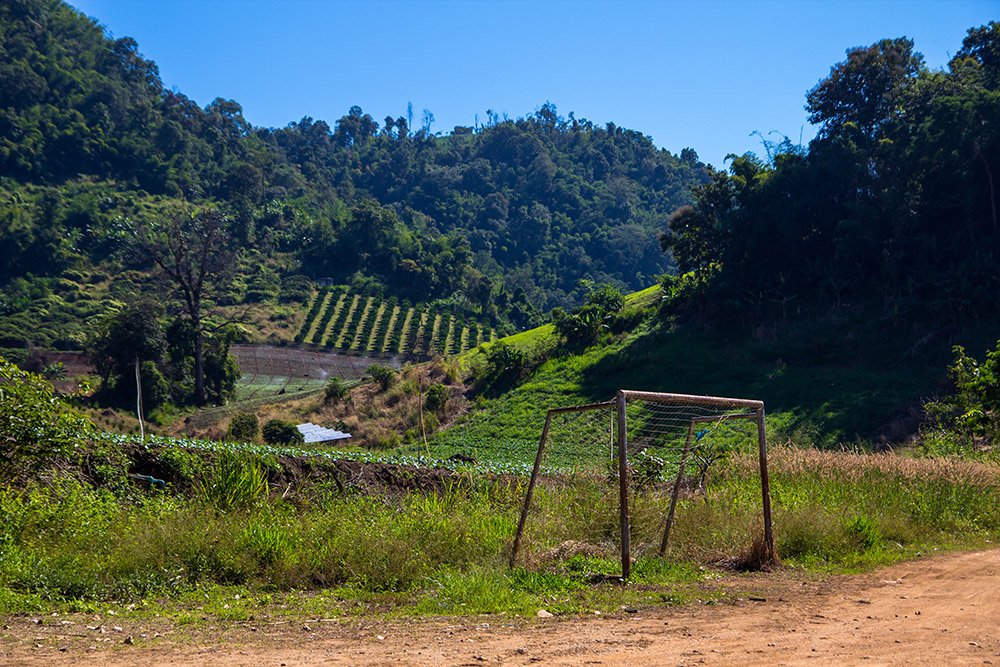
{"x": 531, "y": 489}
{"x": 623, "y": 487}
{"x": 765, "y": 487}
{"x": 420, "y": 411}
{"x": 677, "y": 490}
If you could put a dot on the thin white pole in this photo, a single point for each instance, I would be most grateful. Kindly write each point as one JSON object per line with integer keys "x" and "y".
{"x": 138, "y": 400}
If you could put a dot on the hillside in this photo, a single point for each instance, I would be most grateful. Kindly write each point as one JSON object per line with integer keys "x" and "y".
{"x": 829, "y": 382}
{"x": 498, "y": 223}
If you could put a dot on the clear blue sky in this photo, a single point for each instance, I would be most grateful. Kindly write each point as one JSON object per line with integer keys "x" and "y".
{"x": 699, "y": 74}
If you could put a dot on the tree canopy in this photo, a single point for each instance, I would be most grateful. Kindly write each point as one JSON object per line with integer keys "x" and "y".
{"x": 893, "y": 206}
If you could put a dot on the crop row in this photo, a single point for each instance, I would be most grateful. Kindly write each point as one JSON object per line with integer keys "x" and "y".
{"x": 515, "y": 463}
{"x": 340, "y": 320}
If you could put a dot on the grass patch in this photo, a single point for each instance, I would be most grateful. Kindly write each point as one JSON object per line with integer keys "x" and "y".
{"x": 233, "y": 546}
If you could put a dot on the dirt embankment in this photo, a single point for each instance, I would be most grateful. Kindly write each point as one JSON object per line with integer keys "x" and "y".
{"x": 939, "y": 610}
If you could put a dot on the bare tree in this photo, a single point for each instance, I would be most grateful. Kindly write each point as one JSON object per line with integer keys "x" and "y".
{"x": 195, "y": 251}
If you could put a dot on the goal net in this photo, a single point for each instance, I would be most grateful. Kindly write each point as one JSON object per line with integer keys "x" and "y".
{"x": 653, "y": 449}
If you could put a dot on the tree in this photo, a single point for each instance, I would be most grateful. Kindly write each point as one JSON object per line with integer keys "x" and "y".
{"x": 134, "y": 333}
{"x": 982, "y": 45}
{"x": 195, "y": 251}
{"x": 866, "y": 88}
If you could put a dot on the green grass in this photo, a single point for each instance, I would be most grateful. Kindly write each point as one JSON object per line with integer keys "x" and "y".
{"x": 69, "y": 546}
{"x": 824, "y": 382}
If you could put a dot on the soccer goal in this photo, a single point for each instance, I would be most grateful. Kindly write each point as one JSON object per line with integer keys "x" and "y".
{"x": 639, "y": 435}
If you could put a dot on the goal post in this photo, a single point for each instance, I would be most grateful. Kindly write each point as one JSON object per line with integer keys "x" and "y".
{"x": 642, "y": 423}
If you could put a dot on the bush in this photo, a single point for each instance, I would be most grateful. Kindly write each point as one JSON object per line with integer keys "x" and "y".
{"x": 336, "y": 390}
{"x": 383, "y": 376}
{"x": 244, "y": 427}
{"x": 280, "y": 432}
{"x": 35, "y": 425}
{"x": 436, "y": 398}
{"x": 234, "y": 482}
{"x": 580, "y": 328}
{"x": 295, "y": 288}
{"x": 972, "y": 413}
{"x": 607, "y": 298}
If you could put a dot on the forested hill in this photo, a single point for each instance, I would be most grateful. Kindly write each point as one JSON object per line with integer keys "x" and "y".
{"x": 502, "y": 220}
{"x": 892, "y": 211}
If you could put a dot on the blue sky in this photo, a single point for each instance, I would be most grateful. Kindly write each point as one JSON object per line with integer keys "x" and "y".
{"x": 699, "y": 74}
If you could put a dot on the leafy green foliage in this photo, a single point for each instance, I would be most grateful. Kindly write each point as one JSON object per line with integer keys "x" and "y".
{"x": 280, "y": 432}
{"x": 336, "y": 390}
{"x": 36, "y": 426}
{"x": 234, "y": 482}
{"x": 499, "y": 221}
{"x": 892, "y": 207}
{"x": 244, "y": 427}
{"x": 970, "y": 417}
{"x": 383, "y": 376}
{"x": 436, "y": 398}
{"x": 167, "y": 359}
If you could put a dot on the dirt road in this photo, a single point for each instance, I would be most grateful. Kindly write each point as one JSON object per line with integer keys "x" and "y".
{"x": 943, "y": 610}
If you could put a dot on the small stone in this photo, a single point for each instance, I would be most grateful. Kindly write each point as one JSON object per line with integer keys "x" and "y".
{"x": 543, "y": 614}
{"x": 307, "y": 628}
{"x": 128, "y": 640}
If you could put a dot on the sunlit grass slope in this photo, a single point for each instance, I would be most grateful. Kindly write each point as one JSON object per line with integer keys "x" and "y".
{"x": 825, "y": 381}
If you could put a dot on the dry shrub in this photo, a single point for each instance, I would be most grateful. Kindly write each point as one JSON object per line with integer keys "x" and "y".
{"x": 757, "y": 557}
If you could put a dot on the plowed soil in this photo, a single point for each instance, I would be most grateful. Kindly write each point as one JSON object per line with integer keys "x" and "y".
{"x": 941, "y": 610}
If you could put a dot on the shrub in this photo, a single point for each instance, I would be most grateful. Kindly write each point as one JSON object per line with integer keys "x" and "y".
{"x": 383, "y": 376}
{"x": 295, "y": 288}
{"x": 436, "y": 398}
{"x": 607, "y": 298}
{"x": 244, "y": 427}
{"x": 580, "y": 328}
{"x": 280, "y": 432}
{"x": 972, "y": 413}
{"x": 34, "y": 424}
{"x": 336, "y": 390}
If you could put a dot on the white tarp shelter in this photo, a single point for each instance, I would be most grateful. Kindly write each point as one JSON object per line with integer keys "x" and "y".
{"x": 314, "y": 433}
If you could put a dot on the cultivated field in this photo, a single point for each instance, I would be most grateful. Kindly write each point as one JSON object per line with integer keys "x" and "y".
{"x": 353, "y": 323}
{"x": 292, "y": 363}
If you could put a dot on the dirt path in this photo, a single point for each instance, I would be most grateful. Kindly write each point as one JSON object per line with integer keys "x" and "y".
{"x": 939, "y": 610}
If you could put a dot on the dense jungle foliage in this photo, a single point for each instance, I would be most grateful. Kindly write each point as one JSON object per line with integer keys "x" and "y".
{"x": 892, "y": 209}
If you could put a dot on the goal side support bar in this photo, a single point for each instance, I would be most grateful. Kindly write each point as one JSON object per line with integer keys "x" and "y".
{"x": 538, "y": 464}
{"x": 675, "y": 493}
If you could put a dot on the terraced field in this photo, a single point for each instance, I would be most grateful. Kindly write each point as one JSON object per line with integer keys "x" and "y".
{"x": 338, "y": 320}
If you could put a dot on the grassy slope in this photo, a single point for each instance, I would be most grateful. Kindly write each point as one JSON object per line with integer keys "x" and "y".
{"x": 824, "y": 381}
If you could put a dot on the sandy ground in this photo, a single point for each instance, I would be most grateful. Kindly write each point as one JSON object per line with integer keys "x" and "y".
{"x": 941, "y": 610}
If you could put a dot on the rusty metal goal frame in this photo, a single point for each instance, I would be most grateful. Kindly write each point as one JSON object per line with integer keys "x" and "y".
{"x": 619, "y": 404}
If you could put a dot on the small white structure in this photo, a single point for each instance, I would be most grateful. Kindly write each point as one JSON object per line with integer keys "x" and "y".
{"x": 314, "y": 433}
